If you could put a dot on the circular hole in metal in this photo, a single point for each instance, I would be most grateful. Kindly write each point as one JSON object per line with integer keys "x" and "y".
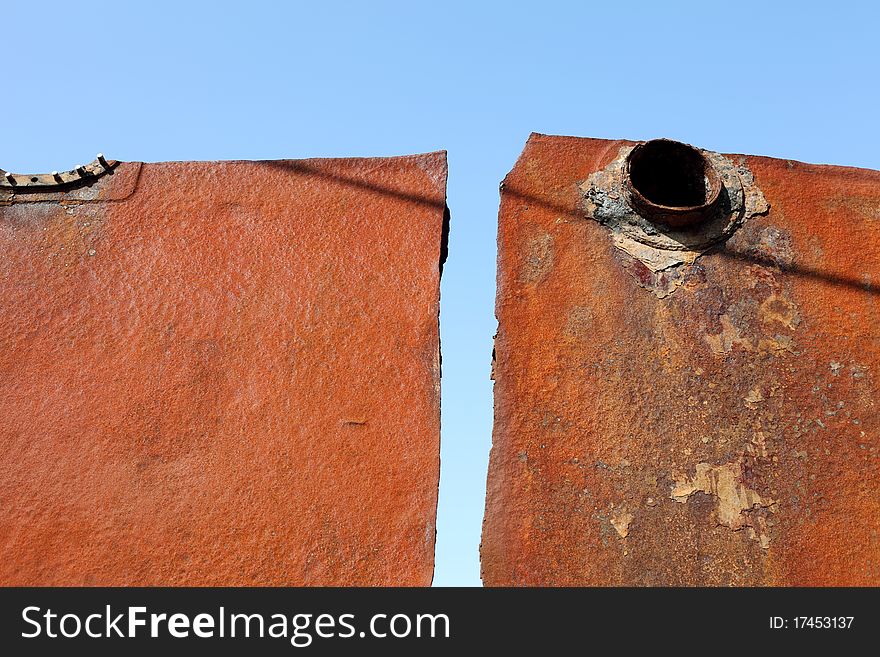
{"x": 669, "y": 173}
{"x": 671, "y": 182}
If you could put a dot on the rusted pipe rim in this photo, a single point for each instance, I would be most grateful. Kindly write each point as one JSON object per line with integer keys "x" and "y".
{"x": 671, "y": 183}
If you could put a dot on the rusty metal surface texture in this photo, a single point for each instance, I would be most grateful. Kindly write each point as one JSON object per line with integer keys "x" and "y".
{"x": 222, "y": 373}
{"x": 690, "y": 406}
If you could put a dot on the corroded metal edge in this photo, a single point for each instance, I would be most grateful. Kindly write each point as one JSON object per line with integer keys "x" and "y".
{"x": 118, "y": 182}
{"x": 79, "y": 175}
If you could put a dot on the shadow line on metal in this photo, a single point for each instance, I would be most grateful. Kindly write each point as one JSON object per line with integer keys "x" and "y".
{"x": 301, "y": 166}
{"x": 723, "y": 251}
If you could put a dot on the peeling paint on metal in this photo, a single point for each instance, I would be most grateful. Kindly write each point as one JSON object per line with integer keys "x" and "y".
{"x": 621, "y": 523}
{"x": 734, "y": 499}
{"x": 736, "y": 419}
{"x": 661, "y": 253}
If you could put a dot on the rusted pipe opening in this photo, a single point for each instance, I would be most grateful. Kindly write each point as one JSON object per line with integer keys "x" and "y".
{"x": 672, "y": 183}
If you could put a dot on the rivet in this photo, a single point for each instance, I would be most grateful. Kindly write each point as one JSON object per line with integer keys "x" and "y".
{"x": 104, "y": 163}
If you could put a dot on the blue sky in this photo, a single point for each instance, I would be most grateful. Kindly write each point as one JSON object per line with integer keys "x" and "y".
{"x": 159, "y": 80}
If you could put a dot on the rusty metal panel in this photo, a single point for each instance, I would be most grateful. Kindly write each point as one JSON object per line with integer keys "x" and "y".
{"x": 700, "y": 416}
{"x": 221, "y": 373}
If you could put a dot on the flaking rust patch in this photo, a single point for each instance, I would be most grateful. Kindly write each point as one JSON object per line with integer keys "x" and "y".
{"x": 621, "y": 522}
{"x": 755, "y": 397}
{"x": 761, "y": 318}
{"x": 657, "y": 256}
{"x": 730, "y": 336}
{"x": 734, "y": 500}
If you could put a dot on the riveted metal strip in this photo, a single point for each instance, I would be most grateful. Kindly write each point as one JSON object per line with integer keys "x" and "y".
{"x": 79, "y": 175}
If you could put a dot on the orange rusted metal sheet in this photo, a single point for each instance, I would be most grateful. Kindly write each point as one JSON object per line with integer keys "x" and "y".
{"x": 705, "y": 414}
{"x": 221, "y": 373}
